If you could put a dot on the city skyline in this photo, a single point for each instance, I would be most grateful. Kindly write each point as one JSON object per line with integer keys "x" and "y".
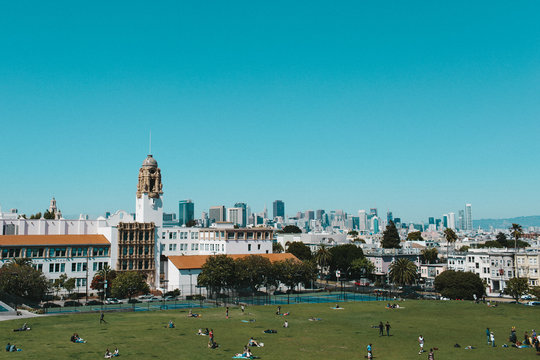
{"x": 415, "y": 109}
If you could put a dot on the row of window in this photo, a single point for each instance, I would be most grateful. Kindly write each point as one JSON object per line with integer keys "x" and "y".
{"x": 136, "y": 250}
{"x": 136, "y": 265}
{"x": 53, "y": 252}
{"x": 182, "y": 235}
{"x": 75, "y": 267}
{"x": 130, "y": 235}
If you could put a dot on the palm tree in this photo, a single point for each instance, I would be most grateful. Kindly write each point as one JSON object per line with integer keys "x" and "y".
{"x": 22, "y": 261}
{"x": 403, "y": 272}
{"x": 429, "y": 255}
{"x": 450, "y": 237}
{"x": 106, "y": 272}
{"x": 516, "y": 231}
{"x": 323, "y": 257}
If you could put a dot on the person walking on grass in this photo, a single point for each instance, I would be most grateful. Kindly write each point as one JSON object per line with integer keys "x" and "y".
{"x": 387, "y": 328}
{"x": 227, "y": 313}
{"x": 431, "y": 355}
{"x": 488, "y": 335}
{"x": 492, "y": 339}
{"x": 421, "y": 343}
{"x": 243, "y": 308}
{"x": 381, "y": 329}
{"x": 101, "y": 318}
{"x": 370, "y": 351}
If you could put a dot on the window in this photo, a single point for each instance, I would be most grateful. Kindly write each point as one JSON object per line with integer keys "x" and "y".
{"x": 79, "y": 266}
{"x": 73, "y": 267}
{"x": 51, "y": 267}
{"x": 249, "y": 247}
{"x": 259, "y": 247}
{"x": 95, "y": 266}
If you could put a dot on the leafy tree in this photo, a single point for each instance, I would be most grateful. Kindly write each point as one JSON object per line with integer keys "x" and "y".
{"x": 58, "y": 284}
{"x": 322, "y": 258}
{"x": 403, "y": 272}
{"x": 535, "y": 291}
{"x": 506, "y": 244}
{"x": 252, "y": 272}
{"x": 517, "y": 286}
{"x": 292, "y": 272}
{"x": 21, "y": 279}
{"x": 300, "y": 250}
{"x": 501, "y": 238}
{"x": 70, "y": 285}
{"x": 464, "y": 248}
{"x": 430, "y": 255}
{"x": 218, "y": 273}
{"x": 191, "y": 223}
{"x": 98, "y": 282}
{"x": 459, "y": 285}
{"x": 362, "y": 267}
{"x": 48, "y": 215}
{"x": 451, "y": 238}
{"x": 353, "y": 233}
{"x": 35, "y": 216}
{"x": 342, "y": 257}
{"x": 277, "y": 248}
{"x": 391, "y": 238}
{"x": 516, "y": 230}
{"x": 359, "y": 240}
{"x": 415, "y": 235}
{"x": 129, "y": 283}
{"x": 291, "y": 229}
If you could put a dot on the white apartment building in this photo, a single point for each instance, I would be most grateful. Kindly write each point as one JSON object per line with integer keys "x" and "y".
{"x": 528, "y": 265}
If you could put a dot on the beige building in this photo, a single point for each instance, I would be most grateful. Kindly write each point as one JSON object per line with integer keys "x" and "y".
{"x": 527, "y": 264}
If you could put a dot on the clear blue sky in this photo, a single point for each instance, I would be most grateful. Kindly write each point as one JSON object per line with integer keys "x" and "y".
{"x": 418, "y": 107}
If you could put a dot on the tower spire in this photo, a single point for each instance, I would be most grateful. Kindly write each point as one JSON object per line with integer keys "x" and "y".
{"x": 150, "y": 144}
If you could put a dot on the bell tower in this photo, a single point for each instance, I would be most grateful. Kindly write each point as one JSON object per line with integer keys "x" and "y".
{"x": 149, "y": 206}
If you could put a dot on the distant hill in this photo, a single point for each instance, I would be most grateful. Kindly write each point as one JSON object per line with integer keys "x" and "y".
{"x": 524, "y": 221}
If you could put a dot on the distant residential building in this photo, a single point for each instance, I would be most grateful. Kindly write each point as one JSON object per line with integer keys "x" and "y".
{"x": 186, "y": 212}
{"x": 279, "y": 209}
{"x": 216, "y": 214}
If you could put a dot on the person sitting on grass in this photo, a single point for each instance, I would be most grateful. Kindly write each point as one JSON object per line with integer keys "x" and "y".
{"x": 108, "y": 354}
{"x": 171, "y": 324}
{"x": 77, "y": 339}
{"x": 116, "y": 352}
{"x": 286, "y": 324}
{"x": 252, "y": 342}
{"x": 12, "y": 348}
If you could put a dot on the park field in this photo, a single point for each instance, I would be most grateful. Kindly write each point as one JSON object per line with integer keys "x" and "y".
{"x": 341, "y": 334}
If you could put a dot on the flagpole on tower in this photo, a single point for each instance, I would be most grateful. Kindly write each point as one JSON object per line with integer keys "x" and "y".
{"x": 150, "y": 144}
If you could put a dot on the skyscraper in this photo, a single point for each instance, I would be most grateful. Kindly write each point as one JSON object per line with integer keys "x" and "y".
{"x": 362, "y": 220}
{"x": 373, "y": 212}
{"x": 445, "y": 220}
{"x": 216, "y": 213}
{"x": 468, "y": 217}
{"x": 451, "y": 220}
{"x": 235, "y": 215}
{"x": 319, "y": 214}
{"x": 186, "y": 212}
{"x": 244, "y": 207}
{"x": 310, "y": 215}
{"x": 389, "y": 217}
{"x": 375, "y": 224}
{"x": 279, "y": 209}
{"x": 461, "y": 220}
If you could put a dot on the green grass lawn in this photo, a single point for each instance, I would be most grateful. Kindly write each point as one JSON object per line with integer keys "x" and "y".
{"x": 342, "y": 334}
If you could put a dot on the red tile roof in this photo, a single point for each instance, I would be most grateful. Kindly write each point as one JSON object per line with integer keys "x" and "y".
{"x": 46, "y": 240}
{"x": 185, "y": 262}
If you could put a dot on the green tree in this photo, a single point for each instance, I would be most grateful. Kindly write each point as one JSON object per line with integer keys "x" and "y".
{"x": 353, "y": 233}
{"x": 291, "y": 229}
{"x": 535, "y": 291}
{"x": 300, "y": 250}
{"x": 391, "y": 238}
{"x": 58, "y": 284}
{"x": 191, "y": 223}
{"x": 342, "y": 258}
{"x": 21, "y": 279}
{"x": 415, "y": 235}
{"x": 459, "y": 285}
{"x": 322, "y": 258}
{"x": 48, "y": 215}
{"x": 98, "y": 282}
{"x": 218, "y": 273}
{"x": 464, "y": 248}
{"x": 70, "y": 285}
{"x": 430, "y": 255}
{"x": 362, "y": 267}
{"x": 277, "y": 248}
{"x": 292, "y": 272}
{"x": 129, "y": 283}
{"x": 35, "y": 216}
{"x": 403, "y": 272}
{"x": 516, "y": 287}
{"x": 252, "y": 272}
{"x": 502, "y": 239}
{"x": 451, "y": 238}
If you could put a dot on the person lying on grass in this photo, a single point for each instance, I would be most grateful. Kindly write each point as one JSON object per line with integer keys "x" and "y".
{"x": 77, "y": 339}
{"x": 22, "y": 328}
{"x": 252, "y": 342}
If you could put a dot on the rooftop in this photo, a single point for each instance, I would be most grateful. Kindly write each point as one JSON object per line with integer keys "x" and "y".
{"x": 185, "y": 262}
{"x": 36, "y": 240}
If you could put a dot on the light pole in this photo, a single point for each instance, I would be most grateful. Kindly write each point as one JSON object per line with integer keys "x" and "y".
{"x": 87, "y": 256}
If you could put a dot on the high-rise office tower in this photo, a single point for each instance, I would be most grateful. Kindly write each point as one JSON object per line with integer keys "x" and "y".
{"x": 468, "y": 217}
{"x": 445, "y": 220}
{"x": 431, "y": 221}
{"x": 389, "y": 217}
{"x": 451, "y": 220}
{"x": 461, "y": 220}
{"x": 235, "y": 215}
{"x": 186, "y": 212}
{"x": 216, "y": 213}
{"x": 362, "y": 220}
{"x": 310, "y": 215}
{"x": 244, "y": 207}
{"x": 373, "y": 212}
{"x": 279, "y": 209}
{"x": 319, "y": 214}
{"x": 375, "y": 224}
